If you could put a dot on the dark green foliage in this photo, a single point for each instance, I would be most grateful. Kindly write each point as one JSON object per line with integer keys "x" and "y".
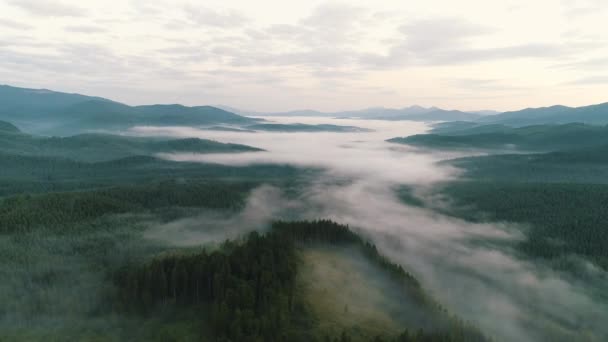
{"x": 325, "y": 231}
{"x": 559, "y": 196}
{"x": 42, "y": 174}
{"x": 25, "y": 212}
{"x": 249, "y": 288}
{"x": 530, "y": 138}
{"x": 562, "y": 218}
{"x": 459, "y": 333}
{"x": 103, "y": 147}
{"x": 589, "y": 165}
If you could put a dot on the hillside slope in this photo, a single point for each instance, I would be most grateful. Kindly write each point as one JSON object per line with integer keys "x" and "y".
{"x": 55, "y": 113}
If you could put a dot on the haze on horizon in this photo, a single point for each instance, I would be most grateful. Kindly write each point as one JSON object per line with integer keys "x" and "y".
{"x": 277, "y": 56}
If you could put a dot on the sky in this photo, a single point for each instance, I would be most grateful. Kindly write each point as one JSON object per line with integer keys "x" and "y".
{"x": 271, "y": 55}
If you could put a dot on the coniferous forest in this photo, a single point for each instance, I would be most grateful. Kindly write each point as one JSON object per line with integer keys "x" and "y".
{"x": 472, "y": 233}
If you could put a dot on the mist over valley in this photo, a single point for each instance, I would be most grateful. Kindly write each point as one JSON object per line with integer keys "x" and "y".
{"x": 326, "y": 171}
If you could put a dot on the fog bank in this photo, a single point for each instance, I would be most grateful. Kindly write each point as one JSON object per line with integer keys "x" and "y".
{"x": 508, "y": 297}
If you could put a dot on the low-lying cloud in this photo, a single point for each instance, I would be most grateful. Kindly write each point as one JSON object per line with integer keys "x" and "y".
{"x": 473, "y": 269}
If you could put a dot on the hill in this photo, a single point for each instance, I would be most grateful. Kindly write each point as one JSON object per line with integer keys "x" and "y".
{"x": 529, "y": 138}
{"x": 7, "y": 127}
{"x": 595, "y": 115}
{"x": 55, "y": 113}
{"x": 414, "y": 113}
{"x": 100, "y": 147}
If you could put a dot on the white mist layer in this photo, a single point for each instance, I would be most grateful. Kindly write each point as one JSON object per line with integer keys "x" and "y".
{"x": 509, "y": 298}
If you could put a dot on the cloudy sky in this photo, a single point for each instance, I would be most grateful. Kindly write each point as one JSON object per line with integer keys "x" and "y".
{"x": 276, "y": 55}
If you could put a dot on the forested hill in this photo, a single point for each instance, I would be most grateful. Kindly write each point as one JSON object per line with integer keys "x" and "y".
{"x": 100, "y": 147}
{"x": 55, "y": 113}
{"x": 529, "y": 138}
{"x": 7, "y": 127}
{"x": 253, "y": 290}
{"x": 554, "y": 115}
{"x": 594, "y": 114}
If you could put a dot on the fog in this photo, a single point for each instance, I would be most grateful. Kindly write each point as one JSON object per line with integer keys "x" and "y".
{"x": 509, "y": 297}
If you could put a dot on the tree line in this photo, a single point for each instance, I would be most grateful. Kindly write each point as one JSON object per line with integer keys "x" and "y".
{"x": 248, "y": 287}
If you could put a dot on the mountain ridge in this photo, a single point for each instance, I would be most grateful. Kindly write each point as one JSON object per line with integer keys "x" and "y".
{"x": 43, "y": 111}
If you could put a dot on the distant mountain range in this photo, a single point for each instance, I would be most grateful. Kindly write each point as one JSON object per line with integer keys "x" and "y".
{"x": 413, "y": 113}
{"x": 49, "y": 112}
{"x": 594, "y": 114}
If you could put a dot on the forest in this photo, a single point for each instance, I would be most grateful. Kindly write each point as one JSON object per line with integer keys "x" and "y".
{"x": 541, "y": 138}
{"x": 104, "y": 238}
{"x": 556, "y": 197}
{"x": 75, "y": 218}
{"x": 250, "y": 290}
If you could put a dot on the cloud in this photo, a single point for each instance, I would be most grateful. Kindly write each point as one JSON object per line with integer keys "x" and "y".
{"x": 583, "y": 7}
{"x": 592, "y": 80}
{"x": 48, "y": 8}
{"x": 14, "y": 24}
{"x": 471, "y": 268}
{"x": 84, "y": 29}
{"x": 449, "y": 41}
{"x": 214, "y": 227}
{"x": 440, "y": 33}
{"x": 225, "y": 19}
{"x": 592, "y": 64}
{"x": 312, "y": 49}
{"x": 483, "y": 84}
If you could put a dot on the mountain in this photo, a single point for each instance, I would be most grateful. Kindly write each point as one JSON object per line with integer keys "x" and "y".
{"x": 594, "y": 114}
{"x": 7, "y": 127}
{"x": 53, "y": 113}
{"x": 442, "y": 115}
{"x": 414, "y": 113}
{"x": 529, "y": 138}
{"x": 102, "y": 147}
{"x": 31, "y": 102}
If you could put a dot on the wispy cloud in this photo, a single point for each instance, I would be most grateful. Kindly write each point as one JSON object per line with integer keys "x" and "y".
{"x": 49, "y": 8}
{"x": 592, "y": 80}
{"x": 14, "y": 24}
{"x": 85, "y": 29}
{"x": 205, "y": 16}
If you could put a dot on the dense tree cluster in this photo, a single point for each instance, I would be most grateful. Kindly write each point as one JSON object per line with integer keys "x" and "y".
{"x": 40, "y": 174}
{"x": 57, "y": 209}
{"x": 562, "y": 218}
{"x": 326, "y": 231}
{"x": 503, "y": 137}
{"x": 248, "y": 288}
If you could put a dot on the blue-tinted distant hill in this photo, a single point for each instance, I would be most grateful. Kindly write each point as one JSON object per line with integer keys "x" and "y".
{"x": 412, "y": 113}
{"x": 7, "y": 127}
{"x": 55, "y": 113}
{"x": 594, "y": 115}
{"x": 501, "y": 137}
{"x": 103, "y": 147}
